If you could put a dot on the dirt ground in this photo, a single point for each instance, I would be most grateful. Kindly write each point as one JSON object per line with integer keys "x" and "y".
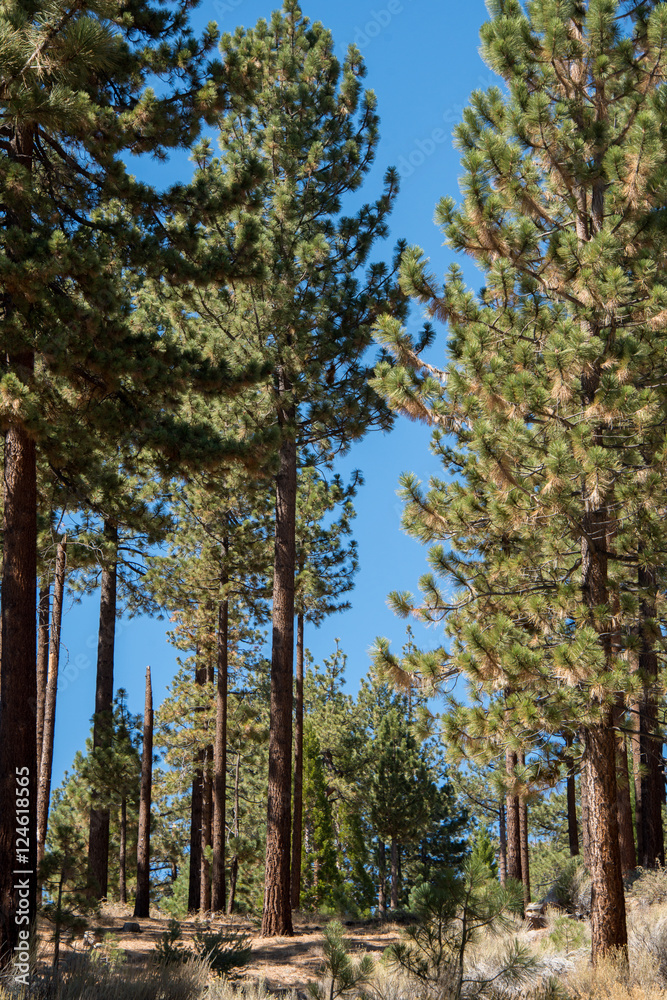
{"x": 283, "y": 963}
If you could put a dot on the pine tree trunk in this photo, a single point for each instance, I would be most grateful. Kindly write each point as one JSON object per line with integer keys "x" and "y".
{"x": 382, "y": 880}
{"x": 297, "y": 824}
{"x": 523, "y": 837}
{"x": 98, "y": 837}
{"x": 502, "y": 835}
{"x": 585, "y": 824}
{"x": 277, "y": 912}
{"x": 18, "y": 687}
{"x": 142, "y": 901}
{"x": 43, "y": 614}
{"x": 394, "y": 873}
{"x": 572, "y": 824}
{"x": 207, "y": 804}
{"x": 194, "y": 883}
{"x": 512, "y": 822}
{"x": 122, "y": 854}
{"x": 234, "y": 870}
{"x": 626, "y": 837}
{"x": 608, "y": 926}
{"x": 651, "y": 780}
{"x": 18, "y": 668}
{"x": 49, "y": 719}
{"x": 220, "y": 746}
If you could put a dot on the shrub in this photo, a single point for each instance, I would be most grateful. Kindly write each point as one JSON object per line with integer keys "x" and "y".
{"x": 649, "y": 886}
{"x": 224, "y": 950}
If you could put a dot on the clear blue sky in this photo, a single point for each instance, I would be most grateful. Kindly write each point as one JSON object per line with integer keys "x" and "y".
{"x": 423, "y": 63}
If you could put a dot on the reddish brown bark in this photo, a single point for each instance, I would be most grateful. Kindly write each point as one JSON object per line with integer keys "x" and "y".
{"x": 297, "y": 822}
{"x": 395, "y": 865}
{"x": 49, "y": 719}
{"x": 220, "y": 746}
{"x": 43, "y": 614}
{"x": 98, "y": 836}
{"x": 18, "y": 685}
{"x": 382, "y": 879}
{"x": 142, "y": 900}
{"x": 234, "y": 867}
{"x": 206, "y": 826}
{"x": 523, "y": 838}
{"x": 626, "y": 837}
{"x": 502, "y": 834}
{"x": 608, "y": 926}
{"x": 512, "y": 822}
{"x": 277, "y": 912}
{"x": 194, "y": 884}
{"x": 572, "y": 823}
{"x": 122, "y": 853}
{"x": 18, "y": 688}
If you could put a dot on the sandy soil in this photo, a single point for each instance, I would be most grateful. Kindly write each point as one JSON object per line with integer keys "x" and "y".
{"x": 283, "y": 963}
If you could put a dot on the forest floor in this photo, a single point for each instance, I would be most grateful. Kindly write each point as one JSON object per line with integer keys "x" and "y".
{"x": 282, "y": 963}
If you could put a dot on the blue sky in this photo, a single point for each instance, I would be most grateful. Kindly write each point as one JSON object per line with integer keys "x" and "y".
{"x": 423, "y": 63}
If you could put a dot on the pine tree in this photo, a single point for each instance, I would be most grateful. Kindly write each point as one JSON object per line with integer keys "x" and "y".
{"x": 74, "y": 98}
{"x": 554, "y": 390}
{"x": 310, "y": 317}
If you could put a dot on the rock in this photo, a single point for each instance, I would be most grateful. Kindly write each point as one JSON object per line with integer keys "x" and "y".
{"x": 535, "y": 916}
{"x": 131, "y": 927}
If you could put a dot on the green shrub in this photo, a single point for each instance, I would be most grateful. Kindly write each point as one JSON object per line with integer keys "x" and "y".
{"x": 224, "y": 950}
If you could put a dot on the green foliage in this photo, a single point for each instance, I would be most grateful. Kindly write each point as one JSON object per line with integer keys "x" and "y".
{"x": 64, "y": 877}
{"x": 451, "y": 911}
{"x": 223, "y": 950}
{"x": 484, "y": 852}
{"x": 169, "y": 949}
{"x": 341, "y": 976}
{"x": 554, "y": 873}
{"x": 567, "y": 934}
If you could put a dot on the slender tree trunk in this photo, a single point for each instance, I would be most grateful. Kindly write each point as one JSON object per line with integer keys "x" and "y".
{"x": 122, "y": 855}
{"x": 142, "y": 901}
{"x": 18, "y": 668}
{"x": 98, "y": 837}
{"x": 572, "y": 824}
{"x": 297, "y": 823}
{"x": 394, "y": 873}
{"x": 382, "y": 880}
{"x": 651, "y": 780}
{"x": 220, "y": 746}
{"x": 43, "y": 614}
{"x": 585, "y": 812}
{"x": 277, "y": 913}
{"x": 626, "y": 837}
{"x": 513, "y": 822}
{"x": 194, "y": 883}
{"x": 49, "y": 718}
{"x": 234, "y": 869}
{"x": 502, "y": 834}
{"x": 523, "y": 837}
{"x": 207, "y": 804}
